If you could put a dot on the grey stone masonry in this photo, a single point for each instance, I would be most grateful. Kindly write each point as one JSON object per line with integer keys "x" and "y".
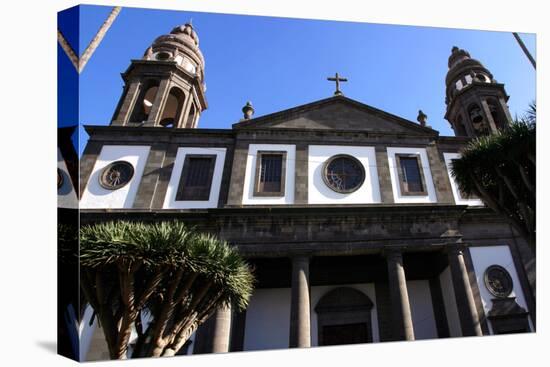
{"x": 128, "y": 100}
{"x": 384, "y": 179}
{"x": 301, "y": 180}
{"x": 226, "y": 176}
{"x": 164, "y": 176}
{"x": 525, "y": 262}
{"x": 87, "y": 163}
{"x": 235, "y": 194}
{"x": 151, "y": 173}
{"x": 439, "y": 175}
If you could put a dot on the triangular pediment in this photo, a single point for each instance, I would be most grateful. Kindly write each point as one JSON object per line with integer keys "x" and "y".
{"x": 337, "y": 113}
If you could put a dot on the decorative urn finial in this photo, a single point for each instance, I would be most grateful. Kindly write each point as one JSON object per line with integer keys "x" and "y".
{"x": 422, "y": 117}
{"x": 248, "y": 110}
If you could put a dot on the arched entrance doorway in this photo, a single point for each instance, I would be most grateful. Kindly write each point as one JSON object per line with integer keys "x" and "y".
{"x": 344, "y": 317}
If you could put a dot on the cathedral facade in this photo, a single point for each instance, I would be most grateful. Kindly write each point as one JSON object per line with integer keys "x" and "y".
{"x": 349, "y": 215}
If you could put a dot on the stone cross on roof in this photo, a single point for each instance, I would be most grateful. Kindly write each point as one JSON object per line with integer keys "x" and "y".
{"x": 337, "y": 79}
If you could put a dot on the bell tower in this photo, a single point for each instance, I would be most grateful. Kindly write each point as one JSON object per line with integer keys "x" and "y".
{"x": 165, "y": 88}
{"x": 476, "y": 103}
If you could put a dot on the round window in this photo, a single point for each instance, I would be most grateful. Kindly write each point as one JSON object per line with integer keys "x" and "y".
{"x": 163, "y": 55}
{"x": 344, "y": 173}
{"x": 498, "y": 281}
{"x": 116, "y": 175}
{"x": 480, "y": 77}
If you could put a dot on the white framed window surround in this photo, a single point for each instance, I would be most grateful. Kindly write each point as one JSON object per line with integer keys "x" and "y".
{"x": 66, "y": 195}
{"x": 459, "y": 200}
{"x": 96, "y": 196}
{"x": 250, "y": 175}
{"x": 398, "y": 196}
{"x": 170, "y": 201}
{"x": 320, "y": 193}
{"x": 485, "y": 256}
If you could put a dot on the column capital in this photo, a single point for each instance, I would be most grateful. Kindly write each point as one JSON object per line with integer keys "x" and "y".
{"x": 455, "y": 248}
{"x": 392, "y": 252}
{"x": 300, "y": 258}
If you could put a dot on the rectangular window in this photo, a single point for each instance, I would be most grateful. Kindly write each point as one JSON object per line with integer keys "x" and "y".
{"x": 196, "y": 178}
{"x": 411, "y": 178}
{"x": 270, "y": 174}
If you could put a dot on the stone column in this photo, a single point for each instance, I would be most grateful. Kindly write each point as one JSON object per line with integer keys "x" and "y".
{"x": 159, "y": 102}
{"x": 126, "y": 104}
{"x": 221, "y": 330}
{"x": 299, "y": 304}
{"x": 467, "y": 312}
{"x": 213, "y": 335}
{"x": 403, "y": 325}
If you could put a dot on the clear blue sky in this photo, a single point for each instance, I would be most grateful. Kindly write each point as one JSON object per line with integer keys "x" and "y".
{"x": 278, "y": 63}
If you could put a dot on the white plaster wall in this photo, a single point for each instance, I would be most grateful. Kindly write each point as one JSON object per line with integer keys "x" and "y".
{"x": 318, "y": 292}
{"x": 170, "y": 201}
{"x": 268, "y": 316}
{"x": 422, "y": 312}
{"x": 192, "y": 346}
{"x": 397, "y": 196}
{"x": 268, "y": 319}
{"x": 449, "y": 301}
{"x": 95, "y": 196}
{"x": 86, "y": 332}
{"x": 456, "y": 192}
{"x": 66, "y": 195}
{"x": 482, "y": 258}
{"x": 248, "y": 192}
{"x": 320, "y": 193}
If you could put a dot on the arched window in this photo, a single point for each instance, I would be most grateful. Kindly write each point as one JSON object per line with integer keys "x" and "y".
{"x": 192, "y": 116}
{"x": 344, "y": 317}
{"x": 496, "y": 113}
{"x": 171, "y": 115}
{"x": 145, "y": 101}
{"x": 477, "y": 119}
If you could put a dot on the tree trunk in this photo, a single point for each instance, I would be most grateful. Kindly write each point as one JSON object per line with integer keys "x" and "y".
{"x": 98, "y": 38}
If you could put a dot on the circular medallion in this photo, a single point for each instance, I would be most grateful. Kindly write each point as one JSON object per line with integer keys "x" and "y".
{"x": 344, "y": 173}
{"x": 60, "y": 178}
{"x": 116, "y": 175}
{"x": 498, "y": 281}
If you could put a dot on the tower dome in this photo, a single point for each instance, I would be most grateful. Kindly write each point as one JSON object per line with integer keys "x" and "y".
{"x": 462, "y": 71}
{"x": 476, "y": 103}
{"x": 182, "y": 46}
{"x": 165, "y": 88}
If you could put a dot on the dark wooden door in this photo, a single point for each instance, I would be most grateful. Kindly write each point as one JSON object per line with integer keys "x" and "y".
{"x": 345, "y": 334}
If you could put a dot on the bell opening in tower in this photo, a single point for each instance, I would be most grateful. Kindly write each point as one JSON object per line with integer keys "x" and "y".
{"x": 145, "y": 102}
{"x": 172, "y": 113}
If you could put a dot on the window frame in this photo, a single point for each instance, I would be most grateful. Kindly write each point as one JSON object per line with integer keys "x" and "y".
{"x": 346, "y": 156}
{"x": 180, "y": 193}
{"x": 401, "y": 176}
{"x": 259, "y": 155}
